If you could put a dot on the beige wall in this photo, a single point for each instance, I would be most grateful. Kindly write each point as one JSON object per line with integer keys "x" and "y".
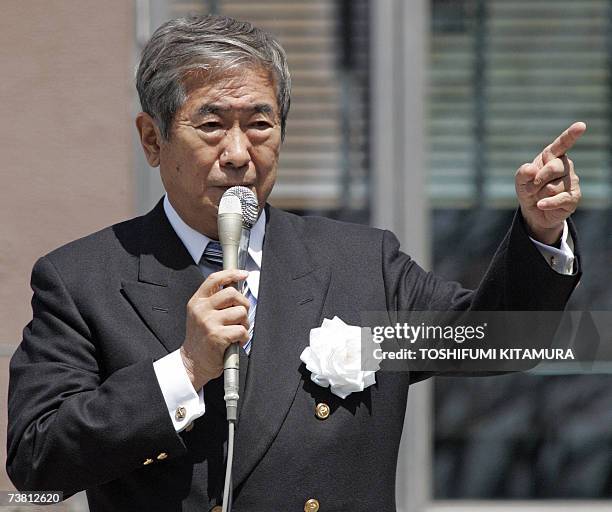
{"x": 65, "y": 133}
{"x": 65, "y": 137}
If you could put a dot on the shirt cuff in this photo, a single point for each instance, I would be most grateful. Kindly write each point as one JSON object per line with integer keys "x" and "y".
{"x": 560, "y": 260}
{"x": 183, "y": 403}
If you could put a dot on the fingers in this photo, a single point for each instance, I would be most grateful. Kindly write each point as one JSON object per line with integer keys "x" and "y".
{"x": 564, "y": 201}
{"x": 237, "y": 334}
{"x": 552, "y": 188}
{"x": 212, "y": 308}
{"x": 554, "y": 169}
{"x": 217, "y": 326}
{"x": 547, "y": 179}
{"x": 563, "y": 193}
{"x": 526, "y": 174}
{"x": 228, "y": 297}
{"x": 225, "y": 307}
{"x": 563, "y": 143}
{"x": 218, "y": 280}
{"x": 236, "y": 315}
{"x": 547, "y": 188}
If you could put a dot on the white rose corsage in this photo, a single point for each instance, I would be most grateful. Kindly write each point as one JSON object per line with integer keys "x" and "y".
{"x": 334, "y": 358}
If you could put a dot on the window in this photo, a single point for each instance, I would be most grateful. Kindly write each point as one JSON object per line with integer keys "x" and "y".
{"x": 504, "y": 78}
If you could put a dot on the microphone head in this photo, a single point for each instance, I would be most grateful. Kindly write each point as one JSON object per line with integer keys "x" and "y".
{"x": 229, "y": 224}
{"x": 248, "y": 203}
{"x": 230, "y": 204}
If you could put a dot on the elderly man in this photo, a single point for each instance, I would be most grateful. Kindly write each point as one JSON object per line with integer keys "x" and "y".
{"x": 115, "y": 387}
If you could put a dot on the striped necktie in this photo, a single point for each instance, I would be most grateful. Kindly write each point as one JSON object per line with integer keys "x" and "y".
{"x": 213, "y": 256}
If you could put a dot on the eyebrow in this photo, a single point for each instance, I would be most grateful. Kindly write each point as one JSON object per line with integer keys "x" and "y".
{"x": 214, "y": 108}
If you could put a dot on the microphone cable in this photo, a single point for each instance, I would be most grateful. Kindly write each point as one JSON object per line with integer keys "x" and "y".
{"x": 227, "y": 488}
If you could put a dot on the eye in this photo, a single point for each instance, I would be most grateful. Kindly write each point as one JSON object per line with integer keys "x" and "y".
{"x": 210, "y": 126}
{"x": 260, "y": 125}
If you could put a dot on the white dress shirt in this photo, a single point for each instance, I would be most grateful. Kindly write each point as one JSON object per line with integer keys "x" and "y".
{"x": 186, "y": 404}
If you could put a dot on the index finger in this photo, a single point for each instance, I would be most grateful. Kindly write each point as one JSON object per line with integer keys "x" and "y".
{"x": 217, "y": 280}
{"x": 564, "y": 142}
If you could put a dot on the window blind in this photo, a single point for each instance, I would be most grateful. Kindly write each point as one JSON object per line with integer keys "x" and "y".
{"x": 506, "y": 76}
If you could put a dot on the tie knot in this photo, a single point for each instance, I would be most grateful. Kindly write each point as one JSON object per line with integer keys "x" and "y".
{"x": 213, "y": 254}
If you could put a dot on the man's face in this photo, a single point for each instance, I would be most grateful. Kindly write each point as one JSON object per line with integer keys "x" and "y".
{"x": 227, "y": 133}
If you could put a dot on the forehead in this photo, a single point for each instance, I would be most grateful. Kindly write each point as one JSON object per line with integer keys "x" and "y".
{"x": 242, "y": 89}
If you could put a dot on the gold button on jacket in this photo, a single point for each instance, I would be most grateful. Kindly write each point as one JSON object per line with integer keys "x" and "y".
{"x": 322, "y": 411}
{"x": 311, "y": 505}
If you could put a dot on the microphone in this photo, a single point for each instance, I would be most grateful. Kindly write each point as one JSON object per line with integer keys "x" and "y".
{"x": 238, "y": 211}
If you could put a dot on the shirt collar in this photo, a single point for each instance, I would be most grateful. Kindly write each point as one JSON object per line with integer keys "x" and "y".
{"x": 195, "y": 242}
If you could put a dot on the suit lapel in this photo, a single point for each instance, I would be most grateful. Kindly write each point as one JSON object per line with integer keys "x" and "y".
{"x": 167, "y": 278}
{"x": 292, "y": 292}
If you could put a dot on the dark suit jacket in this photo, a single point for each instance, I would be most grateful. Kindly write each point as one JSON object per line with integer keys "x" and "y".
{"x": 85, "y": 408}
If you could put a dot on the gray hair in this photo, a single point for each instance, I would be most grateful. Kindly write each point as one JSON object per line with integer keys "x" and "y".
{"x": 216, "y": 44}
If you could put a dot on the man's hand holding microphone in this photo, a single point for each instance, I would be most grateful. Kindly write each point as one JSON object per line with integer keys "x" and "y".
{"x": 217, "y": 316}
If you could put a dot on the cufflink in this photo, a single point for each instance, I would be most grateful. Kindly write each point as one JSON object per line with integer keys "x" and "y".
{"x": 162, "y": 456}
{"x": 147, "y": 462}
{"x": 180, "y": 414}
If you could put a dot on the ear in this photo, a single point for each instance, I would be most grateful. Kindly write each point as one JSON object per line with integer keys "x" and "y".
{"x": 150, "y": 138}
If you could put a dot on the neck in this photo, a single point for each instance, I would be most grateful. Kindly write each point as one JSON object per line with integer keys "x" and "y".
{"x": 202, "y": 219}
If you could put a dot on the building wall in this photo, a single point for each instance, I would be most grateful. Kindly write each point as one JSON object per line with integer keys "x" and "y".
{"x": 65, "y": 135}
{"x": 65, "y": 139}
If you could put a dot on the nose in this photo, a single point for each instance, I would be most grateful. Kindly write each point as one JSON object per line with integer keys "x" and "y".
{"x": 235, "y": 151}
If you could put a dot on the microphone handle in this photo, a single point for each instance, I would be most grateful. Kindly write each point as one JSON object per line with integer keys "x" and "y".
{"x": 231, "y": 358}
{"x": 229, "y": 236}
